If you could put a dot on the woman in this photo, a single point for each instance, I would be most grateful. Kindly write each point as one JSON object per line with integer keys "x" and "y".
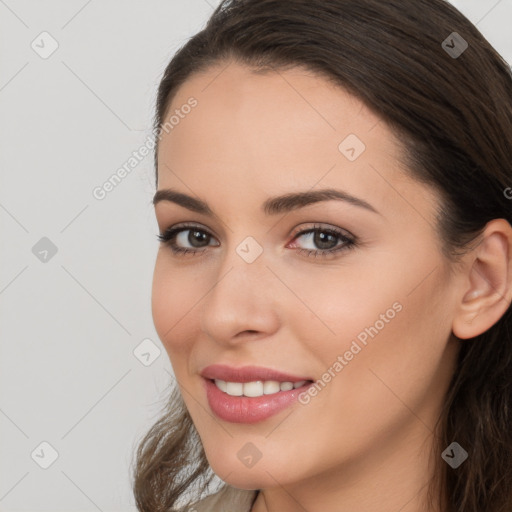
{"x": 334, "y": 276}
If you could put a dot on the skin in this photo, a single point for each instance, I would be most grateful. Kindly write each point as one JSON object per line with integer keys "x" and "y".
{"x": 363, "y": 443}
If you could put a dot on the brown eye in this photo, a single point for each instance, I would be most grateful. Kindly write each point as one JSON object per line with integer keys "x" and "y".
{"x": 186, "y": 239}
{"x": 324, "y": 241}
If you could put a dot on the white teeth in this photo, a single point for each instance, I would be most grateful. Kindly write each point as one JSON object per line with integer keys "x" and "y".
{"x": 286, "y": 386}
{"x": 221, "y": 384}
{"x": 256, "y": 388}
{"x": 270, "y": 387}
{"x": 253, "y": 388}
{"x": 234, "y": 388}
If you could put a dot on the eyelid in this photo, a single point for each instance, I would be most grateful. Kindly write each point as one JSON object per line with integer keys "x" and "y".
{"x": 322, "y": 226}
{"x": 188, "y": 225}
{"x": 348, "y": 241}
{"x": 295, "y": 231}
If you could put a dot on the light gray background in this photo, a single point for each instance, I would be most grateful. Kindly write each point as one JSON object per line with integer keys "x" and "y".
{"x": 70, "y": 325}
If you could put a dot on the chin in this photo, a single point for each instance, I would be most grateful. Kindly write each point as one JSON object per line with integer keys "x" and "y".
{"x": 248, "y": 480}
{"x": 263, "y": 474}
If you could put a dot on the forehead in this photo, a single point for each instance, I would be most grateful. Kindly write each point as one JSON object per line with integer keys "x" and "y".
{"x": 296, "y": 100}
{"x": 275, "y": 132}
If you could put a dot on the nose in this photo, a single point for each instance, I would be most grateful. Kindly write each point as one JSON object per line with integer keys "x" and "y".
{"x": 242, "y": 302}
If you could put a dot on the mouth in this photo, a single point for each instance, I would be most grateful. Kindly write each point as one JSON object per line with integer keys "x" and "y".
{"x": 257, "y": 388}
{"x": 249, "y": 374}
{"x": 250, "y": 394}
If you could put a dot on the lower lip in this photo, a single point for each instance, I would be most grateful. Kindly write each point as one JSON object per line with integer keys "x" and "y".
{"x": 244, "y": 409}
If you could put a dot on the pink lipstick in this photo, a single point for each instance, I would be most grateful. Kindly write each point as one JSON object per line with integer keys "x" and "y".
{"x": 250, "y": 394}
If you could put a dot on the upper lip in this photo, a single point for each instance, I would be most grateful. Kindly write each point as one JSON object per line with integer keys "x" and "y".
{"x": 247, "y": 374}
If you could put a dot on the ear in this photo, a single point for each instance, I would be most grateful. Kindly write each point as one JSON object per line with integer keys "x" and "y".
{"x": 487, "y": 288}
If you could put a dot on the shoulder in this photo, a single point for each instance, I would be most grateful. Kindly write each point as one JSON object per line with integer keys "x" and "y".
{"x": 227, "y": 499}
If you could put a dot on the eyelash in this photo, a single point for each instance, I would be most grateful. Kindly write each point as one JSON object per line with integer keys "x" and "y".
{"x": 168, "y": 238}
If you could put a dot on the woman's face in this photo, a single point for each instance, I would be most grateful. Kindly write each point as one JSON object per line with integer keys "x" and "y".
{"x": 362, "y": 305}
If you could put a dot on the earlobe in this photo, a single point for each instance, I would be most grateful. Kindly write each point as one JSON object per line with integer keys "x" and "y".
{"x": 488, "y": 283}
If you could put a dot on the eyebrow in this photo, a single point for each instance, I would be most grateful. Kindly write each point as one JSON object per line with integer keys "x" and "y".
{"x": 272, "y": 206}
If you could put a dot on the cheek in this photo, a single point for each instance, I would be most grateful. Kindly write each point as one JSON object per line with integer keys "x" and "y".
{"x": 172, "y": 301}
{"x": 338, "y": 305}
{"x": 394, "y": 356}
{"x": 375, "y": 332}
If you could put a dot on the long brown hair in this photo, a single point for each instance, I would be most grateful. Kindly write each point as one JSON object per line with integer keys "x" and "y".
{"x": 453, "y": 115}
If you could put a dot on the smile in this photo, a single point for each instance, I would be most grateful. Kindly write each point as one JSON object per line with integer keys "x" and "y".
{"x": 256, "y": 388}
